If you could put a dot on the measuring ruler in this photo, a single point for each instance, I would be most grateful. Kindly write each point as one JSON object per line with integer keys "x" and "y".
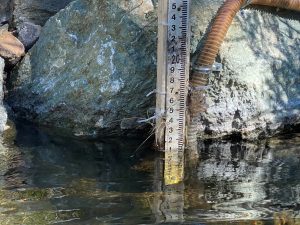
{"x": 174, "y": 45}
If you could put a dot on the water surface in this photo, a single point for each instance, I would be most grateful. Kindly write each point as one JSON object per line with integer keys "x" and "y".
{"x": 48, "y": 178}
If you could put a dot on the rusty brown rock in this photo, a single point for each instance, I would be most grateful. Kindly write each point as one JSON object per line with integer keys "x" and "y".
{"x": 11, "y": 48}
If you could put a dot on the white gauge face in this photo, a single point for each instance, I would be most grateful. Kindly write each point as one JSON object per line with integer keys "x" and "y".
{"x": 177, "y": 77}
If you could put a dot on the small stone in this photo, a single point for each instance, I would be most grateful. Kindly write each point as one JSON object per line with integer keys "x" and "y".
{"x": 11, "y": 48}
{"x": 28, "y": 34}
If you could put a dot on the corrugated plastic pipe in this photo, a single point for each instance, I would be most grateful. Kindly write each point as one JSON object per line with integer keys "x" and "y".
{"x": 215, "y": 37}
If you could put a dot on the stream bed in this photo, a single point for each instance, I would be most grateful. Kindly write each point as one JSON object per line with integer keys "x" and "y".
{"x": 49, "y": 178}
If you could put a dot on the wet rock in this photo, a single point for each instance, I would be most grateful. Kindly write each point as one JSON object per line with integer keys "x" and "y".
{"x": 74, "y": 78}
{"x": 11, "y": 49}
{"x": 3, "y": 115}
{"x": 87, "y": 77}
{"x": 36, "y": 11}
{"x": 28, "y": 34}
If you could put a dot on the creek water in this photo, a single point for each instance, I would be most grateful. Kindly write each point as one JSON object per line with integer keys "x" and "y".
{"x": 48, "y": 178}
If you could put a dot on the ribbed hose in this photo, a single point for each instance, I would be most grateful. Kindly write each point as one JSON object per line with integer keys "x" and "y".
{"x": 210, "y": 50}
{"x": 285, "y": 4}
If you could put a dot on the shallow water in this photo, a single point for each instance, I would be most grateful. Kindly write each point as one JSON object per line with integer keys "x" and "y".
{"x": 46, "y": 178}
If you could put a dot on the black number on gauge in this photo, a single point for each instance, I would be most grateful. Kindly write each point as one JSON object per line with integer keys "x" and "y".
{"x": 175, "y": 59}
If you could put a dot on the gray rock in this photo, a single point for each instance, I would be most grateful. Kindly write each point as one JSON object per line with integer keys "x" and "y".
{"x": 5, "y": 11}
{"x": 93, "y": 76}
{"x": 3, "y": 114}
{"x": 257, "y": 94}
{"x": 88, "y": 76}
{"x": 36, "y": 11}
{"x": 28, "y": 34}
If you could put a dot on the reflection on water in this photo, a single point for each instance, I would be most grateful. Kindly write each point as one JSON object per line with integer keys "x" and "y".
{"x": 52, "y": 179}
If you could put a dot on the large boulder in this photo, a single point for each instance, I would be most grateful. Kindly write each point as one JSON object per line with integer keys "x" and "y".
{"x": 258, "y": 91}
{"x": 91, "y": 76}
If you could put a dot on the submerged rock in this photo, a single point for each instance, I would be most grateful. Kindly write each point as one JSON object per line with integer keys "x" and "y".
{"x": 93, "y": 76}
{"x": 88, "y": 76}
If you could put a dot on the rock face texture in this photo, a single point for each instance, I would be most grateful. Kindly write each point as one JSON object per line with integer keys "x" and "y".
{"x": 3, "y": 114}
{"x": 5, "y": 11}
{"x": 36, "y": 11}
{"x": 258, "y": 91}
{"x": 92, "y": 76}
{"x": 28, "y": 34}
